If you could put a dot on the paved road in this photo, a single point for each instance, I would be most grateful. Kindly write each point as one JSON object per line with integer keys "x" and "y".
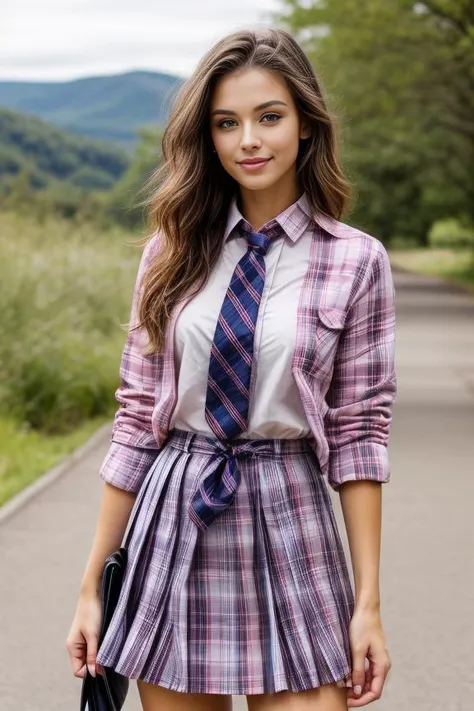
{"x": 427, "y": 563}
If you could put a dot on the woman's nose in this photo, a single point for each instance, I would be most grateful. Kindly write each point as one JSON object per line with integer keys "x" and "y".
{"x": 249, "y": 138}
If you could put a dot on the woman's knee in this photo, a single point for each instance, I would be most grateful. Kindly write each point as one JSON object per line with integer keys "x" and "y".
{"x": 157, "y": 698}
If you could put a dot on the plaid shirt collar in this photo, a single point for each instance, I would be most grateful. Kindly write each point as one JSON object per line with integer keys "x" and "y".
{"x": 294, "y": 220}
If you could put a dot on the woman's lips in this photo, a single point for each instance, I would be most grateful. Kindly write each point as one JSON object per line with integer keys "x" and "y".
{"x": 252, "y": 167}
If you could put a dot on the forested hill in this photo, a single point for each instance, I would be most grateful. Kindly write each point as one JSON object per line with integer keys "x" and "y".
{"x": 52, "y": 155}
{"x": 112, "y": 108}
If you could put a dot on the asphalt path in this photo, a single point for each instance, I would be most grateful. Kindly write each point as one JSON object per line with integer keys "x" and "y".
{"x": 427, "y": 569}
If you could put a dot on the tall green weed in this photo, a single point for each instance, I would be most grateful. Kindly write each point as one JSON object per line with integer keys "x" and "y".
{"x": 65, "y": 290}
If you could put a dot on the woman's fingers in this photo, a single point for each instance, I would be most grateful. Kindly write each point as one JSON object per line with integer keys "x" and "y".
{"x": 368, "y": 676}
{"x": 358, "y": 671}
{"x": 92, "y": 643}
{"x": 82, "y": 641}
{"x": 77, "y": 656}
{"x": 377, "y": 673}
{"x": 82, "y": 648}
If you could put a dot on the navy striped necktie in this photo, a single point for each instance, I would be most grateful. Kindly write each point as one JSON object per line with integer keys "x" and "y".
{"x": 230, "y": 367}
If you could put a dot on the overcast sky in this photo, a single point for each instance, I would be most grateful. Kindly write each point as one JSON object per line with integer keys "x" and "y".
{"x": 66, "y": 39}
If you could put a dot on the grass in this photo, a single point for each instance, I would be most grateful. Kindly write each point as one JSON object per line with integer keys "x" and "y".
{"x": 26, "y": 454}
{"x": 65, "y": 294}
{"x": 456, "y": 265}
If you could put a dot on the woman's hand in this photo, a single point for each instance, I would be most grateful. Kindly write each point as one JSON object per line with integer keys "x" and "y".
{"x": 367, "y": 641}
{"x": 83, "y": 638}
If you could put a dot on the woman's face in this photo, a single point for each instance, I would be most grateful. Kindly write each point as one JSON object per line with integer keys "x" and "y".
{"x": 241, "y": 128}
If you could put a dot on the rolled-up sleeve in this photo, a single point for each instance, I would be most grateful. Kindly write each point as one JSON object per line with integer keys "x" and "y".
{"x": 364, "y": 385}
{"x": 133, "y": 446}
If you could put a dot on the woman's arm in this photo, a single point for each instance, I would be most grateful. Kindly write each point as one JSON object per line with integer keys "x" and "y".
{"x": 83, "y": 638}
{"x": 357, "y": 424}
{"x": 114, "y": 513}
{"x": 358, "y": 419}
{"x": 361, "y": 504}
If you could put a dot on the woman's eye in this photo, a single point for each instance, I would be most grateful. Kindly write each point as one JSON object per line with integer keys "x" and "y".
{"x": 221, "y": 124}
{"x": 274, "y": 117}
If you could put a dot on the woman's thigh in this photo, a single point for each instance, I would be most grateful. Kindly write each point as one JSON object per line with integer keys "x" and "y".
{"x": 157, "y": 698}
{"x": 328, "y": 697}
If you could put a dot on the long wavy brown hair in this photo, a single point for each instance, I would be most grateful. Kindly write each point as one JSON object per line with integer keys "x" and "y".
{"x": 190, "y": 193}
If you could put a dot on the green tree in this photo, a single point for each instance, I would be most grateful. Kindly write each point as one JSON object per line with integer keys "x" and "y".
{"x": 401, "y": 74}
{"x": 126, "y": 197}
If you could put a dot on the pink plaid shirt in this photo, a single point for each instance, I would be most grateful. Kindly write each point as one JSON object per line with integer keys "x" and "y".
{"x": 343, "y": 363}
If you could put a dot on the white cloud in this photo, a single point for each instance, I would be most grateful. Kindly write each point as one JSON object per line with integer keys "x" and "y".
{"x": 66, "y": 39}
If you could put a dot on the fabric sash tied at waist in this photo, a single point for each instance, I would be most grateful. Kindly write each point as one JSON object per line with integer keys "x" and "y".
{"x": 216, "y": 491}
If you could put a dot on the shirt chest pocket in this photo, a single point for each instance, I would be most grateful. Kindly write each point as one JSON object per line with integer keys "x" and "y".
{"x": 325, "y": 340}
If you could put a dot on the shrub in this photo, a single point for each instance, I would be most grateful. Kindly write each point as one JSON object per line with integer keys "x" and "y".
{"x": 403, "y": 243}
{"x": 451, "y": 233}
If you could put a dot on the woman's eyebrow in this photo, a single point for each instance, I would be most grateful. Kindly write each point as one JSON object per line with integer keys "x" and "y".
{"x": 257, "y": 108}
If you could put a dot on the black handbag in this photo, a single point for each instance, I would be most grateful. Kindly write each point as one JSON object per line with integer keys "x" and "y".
{"x": 107, "y": 691}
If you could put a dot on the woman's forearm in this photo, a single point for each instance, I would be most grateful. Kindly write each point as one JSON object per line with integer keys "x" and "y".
{"x": 114, "y": 513}
{"x": 361, "y": 503}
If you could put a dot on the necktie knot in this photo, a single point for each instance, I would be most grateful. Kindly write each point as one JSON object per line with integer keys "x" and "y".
{"x": 258, "y": 242}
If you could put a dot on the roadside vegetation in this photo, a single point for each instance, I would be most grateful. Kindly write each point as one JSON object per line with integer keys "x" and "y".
{"x": 65, "y": 295}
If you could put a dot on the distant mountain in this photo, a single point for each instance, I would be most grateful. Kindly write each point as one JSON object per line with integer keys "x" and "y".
{"x": 53, "y": 156}
{"x": 110, "y": 108}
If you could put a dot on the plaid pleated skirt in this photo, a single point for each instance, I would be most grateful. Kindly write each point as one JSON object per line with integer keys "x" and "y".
{"x": 259, "y": 602}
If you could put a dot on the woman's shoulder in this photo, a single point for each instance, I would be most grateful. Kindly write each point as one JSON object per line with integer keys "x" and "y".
{"x": 155, "y": 240}
{"x": 354, "y": 260}
{"x": 351, "y": 240}
{"x": 150, "y": 248}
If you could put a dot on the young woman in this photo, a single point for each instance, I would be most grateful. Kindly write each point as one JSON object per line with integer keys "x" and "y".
{"x": 260, "y": 360}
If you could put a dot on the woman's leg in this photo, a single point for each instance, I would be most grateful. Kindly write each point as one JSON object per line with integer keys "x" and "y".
{"x": 328, "y": 697}
{"x": 157, "y": 698}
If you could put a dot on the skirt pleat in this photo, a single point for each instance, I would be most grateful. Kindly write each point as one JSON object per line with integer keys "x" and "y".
{"x": 258, "y": 603}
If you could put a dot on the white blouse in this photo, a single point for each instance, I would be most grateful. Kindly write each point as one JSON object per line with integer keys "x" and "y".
{"x": 275, "y": 409}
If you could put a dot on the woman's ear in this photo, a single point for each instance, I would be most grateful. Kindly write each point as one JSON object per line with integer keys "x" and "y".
{"x": 305, "y": 131}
